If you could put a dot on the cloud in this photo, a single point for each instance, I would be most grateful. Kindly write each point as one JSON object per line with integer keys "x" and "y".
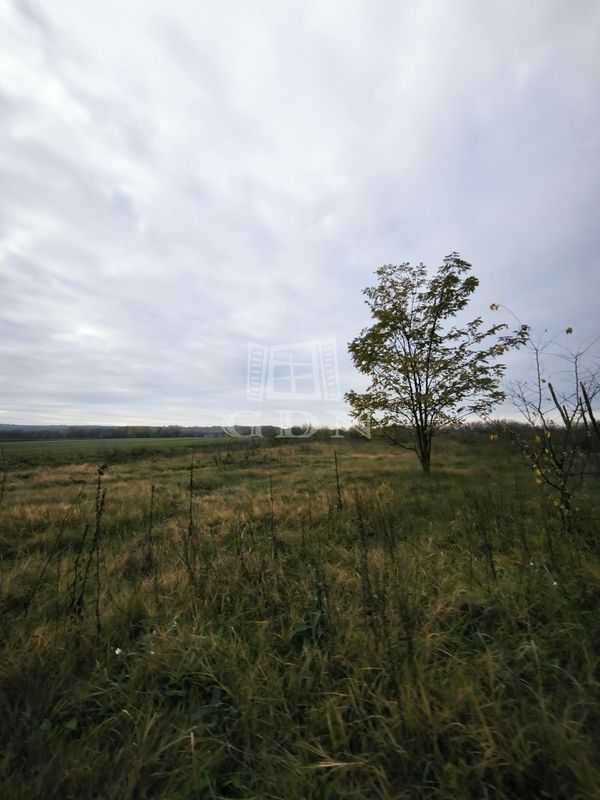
{"x": 179, "y": 180}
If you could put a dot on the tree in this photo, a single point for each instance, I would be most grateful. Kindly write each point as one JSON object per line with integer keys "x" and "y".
{"x": 425, "y": 374}
{"x": 561, "y": 435}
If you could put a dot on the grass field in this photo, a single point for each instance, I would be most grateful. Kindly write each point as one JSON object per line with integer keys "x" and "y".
{"x": 69, "y": 451}
{"x": 308, "y": 620}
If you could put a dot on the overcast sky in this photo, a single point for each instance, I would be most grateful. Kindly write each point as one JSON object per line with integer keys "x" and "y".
{"x": 180, "y": 179}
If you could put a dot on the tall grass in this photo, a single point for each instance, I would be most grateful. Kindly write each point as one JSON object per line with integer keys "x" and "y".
{"x": 297, "y": 623}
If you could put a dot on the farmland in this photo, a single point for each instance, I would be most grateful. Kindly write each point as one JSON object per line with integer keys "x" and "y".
{"x": 69, "y": 451}
{"x": 219, "y": 619}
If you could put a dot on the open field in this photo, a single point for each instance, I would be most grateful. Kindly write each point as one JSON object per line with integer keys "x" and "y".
{"x": 70, "y": 451}
{"x": 266, "y": 625}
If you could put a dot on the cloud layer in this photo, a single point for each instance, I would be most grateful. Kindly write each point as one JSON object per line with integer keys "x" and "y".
{"x": 177, "y": 180}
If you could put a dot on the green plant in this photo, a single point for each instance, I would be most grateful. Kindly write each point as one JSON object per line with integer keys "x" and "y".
{"x": 561, "y": 436}
{"x": 425, "y": 374}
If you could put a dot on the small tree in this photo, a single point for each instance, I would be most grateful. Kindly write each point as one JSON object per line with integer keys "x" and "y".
{"x": 561, "y": 435}
{"x": 425, "y": 374}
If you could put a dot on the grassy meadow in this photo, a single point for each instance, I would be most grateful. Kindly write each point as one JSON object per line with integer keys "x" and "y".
{"x": 294, "y": 620}
{"x": 70, "y": 451}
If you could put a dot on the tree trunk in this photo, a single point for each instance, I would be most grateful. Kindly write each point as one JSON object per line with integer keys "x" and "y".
{"x": 424, "y": 450}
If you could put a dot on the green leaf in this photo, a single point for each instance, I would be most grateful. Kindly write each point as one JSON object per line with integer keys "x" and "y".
{"x": 426, "y": 374}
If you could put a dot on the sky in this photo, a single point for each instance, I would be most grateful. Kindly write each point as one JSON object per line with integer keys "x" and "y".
{"x": 185, "y": 183}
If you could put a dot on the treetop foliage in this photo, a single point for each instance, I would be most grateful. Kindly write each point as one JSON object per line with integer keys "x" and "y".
{"x": 427, "y": 373}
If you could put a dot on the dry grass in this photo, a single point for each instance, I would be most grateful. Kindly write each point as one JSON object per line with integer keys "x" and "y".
{"x": 429, "y": 639}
